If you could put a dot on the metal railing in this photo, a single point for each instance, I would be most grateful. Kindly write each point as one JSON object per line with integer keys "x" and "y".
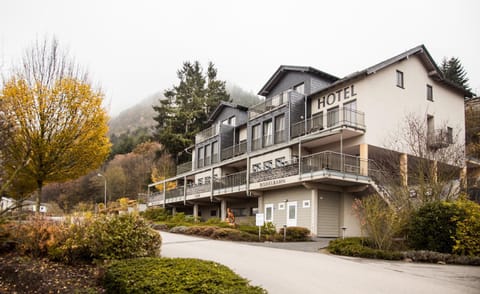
{"x": 335, "y": 118}
{"x": 439, "y": 138}
{"x": 286, "y": 169}
{"x": 268, "y": 105}
{"x": 329, "y": 160}
{"x": 234, "y": 150}
{"x": 173, "y": 193}
{"x": 156, "y": 198}
{"x": 198, "y": 188}
{"x": 184, "y": 167}
{"x": 207, "y": 133}
{"x": 230, "y": 181}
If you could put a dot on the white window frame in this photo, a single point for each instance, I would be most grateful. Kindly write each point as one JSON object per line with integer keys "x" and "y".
{"x": 306, "y": 204}
{"x": 292, "y": 222}
{"x": 281, "y": 206}
{"x": 268, "y": 206}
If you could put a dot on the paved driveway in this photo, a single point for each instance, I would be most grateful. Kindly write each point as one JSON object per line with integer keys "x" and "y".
{"x": 290, "y": 271}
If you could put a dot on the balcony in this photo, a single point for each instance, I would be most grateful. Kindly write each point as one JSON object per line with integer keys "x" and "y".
{"x": 267, "y": 105}
{"x": 341, "y": 117}
{"x": 184, "y": 167}
{"x": 333, "y": 161}
{"x": 174, "y": 193}
{"x": 198, "y": 188}
{"x": 234, "y": 150}
{"x": 155, "y": 199}
{"x": 231, "y": 183}
{"x": 207, "y": 133}
{"x": 440, "y": 138}
{"x": 288, "y": 168}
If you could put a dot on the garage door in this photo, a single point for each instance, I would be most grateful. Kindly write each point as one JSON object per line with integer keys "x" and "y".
{"x": 328, "y": 214}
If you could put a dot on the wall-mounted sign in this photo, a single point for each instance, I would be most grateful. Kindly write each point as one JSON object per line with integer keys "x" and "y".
{"x": 272, "y": 182}
{"x": 337, "y": 96}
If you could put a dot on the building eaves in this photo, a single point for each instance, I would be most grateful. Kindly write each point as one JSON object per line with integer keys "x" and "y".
{"x": 284, "y": 69}
{"x": 427, "y": 60}
{"x": 223, "y": 104}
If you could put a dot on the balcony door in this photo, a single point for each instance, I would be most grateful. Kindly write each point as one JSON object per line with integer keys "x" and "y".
{"x": 350, "y": 112}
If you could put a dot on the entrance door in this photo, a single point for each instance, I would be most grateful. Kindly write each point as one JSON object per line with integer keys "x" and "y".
{"x": 291, "y": 214}
{"x": 328, "y": 214}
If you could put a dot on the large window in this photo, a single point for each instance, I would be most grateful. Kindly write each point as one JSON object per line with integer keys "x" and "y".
{"x": 208, "y": 154}
{"x": 269, "y": 212}
{"x": 316, "y": 122}
{"x": 280, "y": 129}
{"x": 267, "y": 133}
{"x": 333, "y": 117}
{"x": 200, "y": 157}
{"x": 400, "y": 82}
{"x": 214, "y": 152}
{"x": 256, "y": 138}
{"x": 350, "y": 112}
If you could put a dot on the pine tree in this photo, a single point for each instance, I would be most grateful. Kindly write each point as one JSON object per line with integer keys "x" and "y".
{"x": 453, "y": 70}
{"x": 187, "y": 106}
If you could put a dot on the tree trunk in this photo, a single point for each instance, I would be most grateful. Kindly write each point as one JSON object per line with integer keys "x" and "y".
{"x": 38, "y": 198}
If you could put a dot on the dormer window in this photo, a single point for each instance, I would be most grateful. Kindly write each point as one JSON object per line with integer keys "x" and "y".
{"x": 300, "y": 88}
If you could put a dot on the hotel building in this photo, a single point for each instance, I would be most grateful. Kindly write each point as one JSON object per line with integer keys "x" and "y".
{"x": 308, "y": 150}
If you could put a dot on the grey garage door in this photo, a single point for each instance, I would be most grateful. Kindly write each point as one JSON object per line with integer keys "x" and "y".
{"x": 328, "y": 214}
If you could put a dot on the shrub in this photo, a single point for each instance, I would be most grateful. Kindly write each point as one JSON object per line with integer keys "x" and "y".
{"x": 467, "y": 235}
{"x": 248, "y": 229}
{"x": 435, "y": 257}
{"x": 156, "y": 214}
{"x": 296, "y": 234}
{"x": 179, "y": 275}
{"x": 232, "y": 235}
{"x": 119, "y": 237}
{"x": 433, "y": 226}
{"x": 357, "y": 247}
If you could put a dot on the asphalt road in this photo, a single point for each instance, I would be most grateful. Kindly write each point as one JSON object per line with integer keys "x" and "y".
{"x": 290, "y": 271}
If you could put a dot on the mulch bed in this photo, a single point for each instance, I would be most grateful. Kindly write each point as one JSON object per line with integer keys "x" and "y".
{"x": 20, "y": 274}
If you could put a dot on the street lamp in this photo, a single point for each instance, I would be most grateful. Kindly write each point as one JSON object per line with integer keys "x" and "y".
{"x": 100, "y": 175}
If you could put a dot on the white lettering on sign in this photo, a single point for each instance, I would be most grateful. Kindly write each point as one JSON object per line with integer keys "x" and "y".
{"x": 336, "y": 96}
{"x": 272, "y": 182}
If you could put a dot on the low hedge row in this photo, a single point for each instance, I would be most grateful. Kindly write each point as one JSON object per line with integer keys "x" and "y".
{"x": 360, "y": 247}
{"x": 178, "y": 275}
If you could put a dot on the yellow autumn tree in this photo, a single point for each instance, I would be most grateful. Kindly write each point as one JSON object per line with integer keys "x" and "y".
{"x": 59, "y": 122}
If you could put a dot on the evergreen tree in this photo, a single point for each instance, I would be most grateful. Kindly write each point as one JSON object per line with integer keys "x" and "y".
{"x": 187, "y": 107}
{"x": 453, "y": 70}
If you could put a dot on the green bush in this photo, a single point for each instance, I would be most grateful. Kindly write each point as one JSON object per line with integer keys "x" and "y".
{"x": 180, "y": 275}
{"x": 433, "y": 227}
{"x": 156, "y": 214}
{"x": 467, "y": 235}
{"x": 296, "y": 234}
{"x": 358, "y": 247}
{"x": 233, "y": 235}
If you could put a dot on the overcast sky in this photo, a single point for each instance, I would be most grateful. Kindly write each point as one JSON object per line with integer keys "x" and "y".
{"x": 134, "y": 48}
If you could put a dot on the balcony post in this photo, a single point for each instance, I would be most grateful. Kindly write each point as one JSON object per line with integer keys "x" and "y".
{"x": 184, "y": 190}
{"x": 195, "y": 211}
{"x": 364, "y": 159}
{"x": 404, "y": 169}
{"x": 211, "y": 184}
{"x": 223, "y": 209}
{"x": 164, "y": 193}
{"x": 314, "y": 211}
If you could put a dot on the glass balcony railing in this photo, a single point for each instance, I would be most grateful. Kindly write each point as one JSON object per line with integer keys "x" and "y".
{"x": 268, "y": 104}
{"x": 234, "y": 150}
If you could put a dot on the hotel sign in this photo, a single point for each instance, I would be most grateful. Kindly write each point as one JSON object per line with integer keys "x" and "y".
{"x": 337, "y": 96}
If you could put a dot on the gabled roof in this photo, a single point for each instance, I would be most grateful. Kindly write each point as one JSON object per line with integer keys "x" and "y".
{"x": 420, "y": 51}
{"x": 220, "y": 107}
{"x": 284, "y": 69}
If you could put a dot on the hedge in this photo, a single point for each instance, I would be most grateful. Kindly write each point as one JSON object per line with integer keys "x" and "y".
{"x": 173, "y": 275}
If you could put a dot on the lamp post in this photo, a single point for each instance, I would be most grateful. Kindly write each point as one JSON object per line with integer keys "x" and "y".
{"x": 105, "y": 178}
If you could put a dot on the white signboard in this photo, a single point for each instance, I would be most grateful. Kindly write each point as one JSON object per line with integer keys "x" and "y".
{"x": 259, "y": 219}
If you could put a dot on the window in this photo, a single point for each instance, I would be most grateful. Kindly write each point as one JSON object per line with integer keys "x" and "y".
{"x": 267, "y": 165}
{"x": 256, "y": 167}
{"x": 300, "y": 88}
{"x": 306, "y": 203}
{"x": 280, "y": 129}
{"x": 400, "y": 79}
{"x": 232, "y": 121}
{"x": 256, "y": 139}
{"x": 200, "y": 181}
{"x": 207, "y": 180}
{"x": 267, "y": 133}
{"x": 214, "y": 152}
{"x": 213, "y": 213}
{"x": 208, "y": 154}
{"x": 279, "y": 162}
{"x": 429, "y": 93}
{"x": 350, "y": 112}
{"x": 449, "y": 135}
{"x": 269, "y": 213}
{"x": 200, "y": 157}
{"x": 281, "y": 206}
{"x": 316, "y": 122}
{"x": 225, "y": 122}
{"x": 333, "y": 117}
{"x": 240, "y": 211}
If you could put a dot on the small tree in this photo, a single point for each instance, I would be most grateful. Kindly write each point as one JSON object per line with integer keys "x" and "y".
{"x": 60, "y": 124}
